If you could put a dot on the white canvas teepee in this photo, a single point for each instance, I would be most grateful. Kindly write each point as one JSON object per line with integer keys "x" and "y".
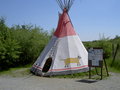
{"x": 65, "y": 53}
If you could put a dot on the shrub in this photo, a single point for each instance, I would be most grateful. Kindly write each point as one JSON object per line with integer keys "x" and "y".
{"x": 20, "y": 44}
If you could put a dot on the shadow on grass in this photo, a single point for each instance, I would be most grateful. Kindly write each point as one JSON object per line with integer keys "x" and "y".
{"x": 87, "y": 81}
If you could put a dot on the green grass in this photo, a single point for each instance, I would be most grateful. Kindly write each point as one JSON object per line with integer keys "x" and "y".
{"x": 16, "y": 72}
{"x": 23, "y": 71}
{"x": 76, "y": 75}
{"x": 115, "y": 67}
{"x": 85, "y": 75}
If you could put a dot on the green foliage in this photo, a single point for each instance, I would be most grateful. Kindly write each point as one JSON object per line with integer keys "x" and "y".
{"x": 102, "y": 43}
{"x": 20, "y": 44}
{"x": 115, "y": 67}
{"x": 8, "y": 47}
{"x": 109, "y": 47}
{"x": 116, "y": 52}
{"x": 76, "y": 75}
{"x": 32, "y": 41}
{"x": 17, "y": 71}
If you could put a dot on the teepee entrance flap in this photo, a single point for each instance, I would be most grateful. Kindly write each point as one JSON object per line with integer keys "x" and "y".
{"x": 47, "y": 65}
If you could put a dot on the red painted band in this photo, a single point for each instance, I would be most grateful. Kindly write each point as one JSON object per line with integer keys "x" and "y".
{"x": 62, "y": 69}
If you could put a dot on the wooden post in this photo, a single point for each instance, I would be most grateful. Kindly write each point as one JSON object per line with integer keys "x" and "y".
{"x": 113, "y": 51}
{"x": 115, "y": 55}
{"x": 89, "y": 72}
{"x": 96, "y": 71}
{"x": 101, "y": 73}
{"x": 106, "y": 67}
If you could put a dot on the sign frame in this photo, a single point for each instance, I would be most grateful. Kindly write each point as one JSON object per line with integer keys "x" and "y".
{"x": 95, "y": 57}
{"x": 98, "y": 65}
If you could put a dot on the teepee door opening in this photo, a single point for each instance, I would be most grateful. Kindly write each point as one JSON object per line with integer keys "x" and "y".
{"x": 47, "y": 65}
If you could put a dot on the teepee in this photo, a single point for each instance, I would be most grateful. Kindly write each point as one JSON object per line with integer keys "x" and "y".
{"x": 65, "y": 53}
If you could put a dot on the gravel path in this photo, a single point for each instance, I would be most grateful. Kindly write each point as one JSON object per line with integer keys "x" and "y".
{"x": 41, "y": 83}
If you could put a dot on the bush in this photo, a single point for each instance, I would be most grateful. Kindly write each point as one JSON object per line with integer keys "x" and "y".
{"x": 105, "y": 44}
{"x": 20, "y": 44}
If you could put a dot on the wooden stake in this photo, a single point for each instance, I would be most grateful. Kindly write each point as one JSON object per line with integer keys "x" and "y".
{"x": 115, "y": 55}
{"x": 101, "y": 73}
{"x": 89, "y": 72}
{"x": 106, "y": 67}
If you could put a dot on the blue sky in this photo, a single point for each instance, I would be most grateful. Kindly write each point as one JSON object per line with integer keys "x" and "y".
{"x": 91, "y": 18}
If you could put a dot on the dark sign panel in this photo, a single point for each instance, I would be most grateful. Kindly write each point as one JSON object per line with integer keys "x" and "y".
{"x": 95, "y": 57}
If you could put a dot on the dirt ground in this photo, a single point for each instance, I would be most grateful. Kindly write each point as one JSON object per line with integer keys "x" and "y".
{"x": 32, "y": 82}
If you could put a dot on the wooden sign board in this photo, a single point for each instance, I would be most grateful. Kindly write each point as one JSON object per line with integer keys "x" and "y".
{"x": 95, "y": 57}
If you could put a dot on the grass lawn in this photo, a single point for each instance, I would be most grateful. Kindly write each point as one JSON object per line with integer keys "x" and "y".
{"x": 16, "y": 72}
{"x": 24, "y": 71}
